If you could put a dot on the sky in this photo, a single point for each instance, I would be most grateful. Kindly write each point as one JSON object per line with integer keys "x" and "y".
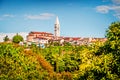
{"x": 78, "y": 18}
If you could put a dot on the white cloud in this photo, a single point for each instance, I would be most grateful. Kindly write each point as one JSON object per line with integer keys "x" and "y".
{"x": 5, "y": 16}
{"x": 115, "y": 7}
{"x": 117, "y": 15}
{"x": 106, "y": 9}
{"x": 116, "y": 1}
{"x": 43, "y": 16}
{"x": 47, "y": 14}
{"x": 8, "y": 15}
{"x": 105, "y": 0}
{"x": 103, "y": 9}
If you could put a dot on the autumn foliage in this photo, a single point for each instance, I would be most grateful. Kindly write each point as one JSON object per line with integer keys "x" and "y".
{"x": 98, "y": 61}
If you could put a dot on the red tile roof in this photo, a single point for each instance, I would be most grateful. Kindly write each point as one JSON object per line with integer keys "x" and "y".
{"x": 75, "y": 38}
{"x": 33, "y": 32}
{"x": 30, "y": 35}
{"x": 67, "y": 38}
{"x": 71, "y": 38}
{"x": 40, "y": 37}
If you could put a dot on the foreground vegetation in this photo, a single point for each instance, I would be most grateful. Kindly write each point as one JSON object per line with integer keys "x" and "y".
{"x": 98, "y": 61}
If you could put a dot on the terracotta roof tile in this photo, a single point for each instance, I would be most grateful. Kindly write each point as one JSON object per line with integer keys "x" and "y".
{"x": 40, "y": 37}
{"x": 33, "y": 32}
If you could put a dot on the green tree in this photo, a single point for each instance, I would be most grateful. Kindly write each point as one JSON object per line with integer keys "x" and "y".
{"x": 113, "y": 36}
{"x": 6, "y": 38}
{"x": 17, "y": 38}
{"x": 16, "y": 63}
{"x": 67, "y": 44}
{"x": 113, "y": 45}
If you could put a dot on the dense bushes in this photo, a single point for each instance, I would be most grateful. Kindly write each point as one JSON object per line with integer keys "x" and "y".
{"x": 14, "y": 64}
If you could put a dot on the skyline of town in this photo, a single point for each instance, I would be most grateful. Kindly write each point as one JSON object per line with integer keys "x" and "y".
{"x": 77, "y": 18}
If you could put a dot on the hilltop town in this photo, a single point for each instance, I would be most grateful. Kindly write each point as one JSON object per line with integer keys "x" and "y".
{"x": 38, "y": 37}
{"x": 45, "y": 37}
{"x": 81, "y": 43}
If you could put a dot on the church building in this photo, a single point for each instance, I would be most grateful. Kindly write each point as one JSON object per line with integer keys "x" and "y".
{"x": 43, "y": 37}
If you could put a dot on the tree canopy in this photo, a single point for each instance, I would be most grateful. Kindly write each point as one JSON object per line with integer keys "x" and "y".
{"x": 6, "y": 38}
{"x": 17, "y": 38}
{"x": 113, "y": 36}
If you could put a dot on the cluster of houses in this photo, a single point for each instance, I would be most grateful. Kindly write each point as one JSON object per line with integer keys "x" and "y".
{"x": 45, "y": 37}
{"x": 42, "y": 38}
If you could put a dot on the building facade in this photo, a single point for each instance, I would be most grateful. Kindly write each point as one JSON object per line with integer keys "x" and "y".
{"x": 39, "y": 37}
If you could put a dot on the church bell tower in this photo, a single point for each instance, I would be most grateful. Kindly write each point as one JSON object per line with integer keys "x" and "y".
{"x": 57, "y": 28}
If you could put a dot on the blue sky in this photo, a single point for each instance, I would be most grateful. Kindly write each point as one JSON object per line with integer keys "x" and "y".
{"x": 81, "y": 18}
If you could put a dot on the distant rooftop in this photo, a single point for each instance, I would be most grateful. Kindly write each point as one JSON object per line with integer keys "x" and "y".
{"x": 34, "y": 32}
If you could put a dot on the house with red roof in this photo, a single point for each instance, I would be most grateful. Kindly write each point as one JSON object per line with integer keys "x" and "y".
{"x": 39, "y": 37}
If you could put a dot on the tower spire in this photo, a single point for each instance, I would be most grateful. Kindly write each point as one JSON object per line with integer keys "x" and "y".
{"x": 57, "y": 28}
{"x": 57, "y": 20}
